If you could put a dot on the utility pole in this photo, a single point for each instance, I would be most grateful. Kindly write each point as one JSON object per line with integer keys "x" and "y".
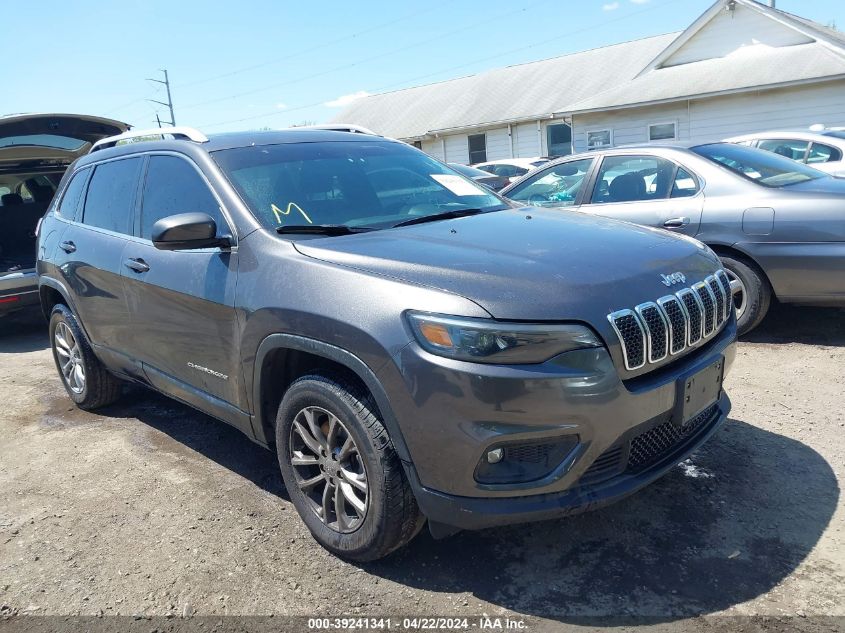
{"x": 169, "y": 103}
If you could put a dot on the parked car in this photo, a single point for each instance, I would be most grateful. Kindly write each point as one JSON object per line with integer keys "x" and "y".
{"x": 512, "y": 168}
{"x": 489, "y": 180}
{"x": 410, "y": 345}
{"x": 776, "y": 224}
{"x": 820, "y": 147}
{"x": 35, "y": 151}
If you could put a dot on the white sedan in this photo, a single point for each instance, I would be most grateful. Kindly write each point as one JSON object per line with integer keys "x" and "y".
{"x": 820, "y": 147}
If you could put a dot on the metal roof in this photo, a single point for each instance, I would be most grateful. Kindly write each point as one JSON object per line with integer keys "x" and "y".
{"x": 527, "y": 91}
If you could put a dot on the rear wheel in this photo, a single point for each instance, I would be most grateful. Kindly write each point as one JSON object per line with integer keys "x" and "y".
{"x": 341, "y": 470}
{"x": 754, "y": 297}
{"x": 85, "y": 379}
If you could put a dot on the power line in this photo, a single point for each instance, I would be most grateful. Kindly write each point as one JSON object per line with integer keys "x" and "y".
{"x": 452, "y": 68}
{"x": 475, "y": 24}
{"x": 306, "y": 51}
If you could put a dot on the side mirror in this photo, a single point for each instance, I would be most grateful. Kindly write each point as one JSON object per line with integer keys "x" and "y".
{"x": 187, "y": 231}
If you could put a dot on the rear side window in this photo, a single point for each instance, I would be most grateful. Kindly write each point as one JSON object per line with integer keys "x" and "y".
{"x": 685, "y": 184}
{"x": 73, "y": 193}
{"x": 823, "y": 154}
{"x": 174, "y": 186}
{"x": 111, "y": 195}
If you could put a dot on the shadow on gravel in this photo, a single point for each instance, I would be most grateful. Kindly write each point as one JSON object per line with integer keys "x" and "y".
{"x": 796, "y": 324}
{"x": 722, "y": 529}
{"x": 23, "y": 332}
{"x": 212, "y": 438}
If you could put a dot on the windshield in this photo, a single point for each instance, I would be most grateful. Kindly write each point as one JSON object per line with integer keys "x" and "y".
{"x": 362, "y": 183}
{"x": 42, "y": 140}
{"x": 765, "y": 168}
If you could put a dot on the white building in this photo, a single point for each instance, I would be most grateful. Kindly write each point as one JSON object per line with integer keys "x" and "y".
{"x": 741, "y": 67}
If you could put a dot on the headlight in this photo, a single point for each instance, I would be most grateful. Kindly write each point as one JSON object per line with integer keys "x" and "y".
{"x": 488, "y": 341}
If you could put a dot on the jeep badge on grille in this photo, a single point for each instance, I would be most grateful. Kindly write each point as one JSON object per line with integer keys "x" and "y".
{"x": 672, "y": 279}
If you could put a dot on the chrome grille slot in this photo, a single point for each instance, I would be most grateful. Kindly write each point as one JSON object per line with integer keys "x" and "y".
{"x": 654, "y": 330}
{"x": 719, "y": 295}
{"x": 657, "y": 331}
{"x": 709, "y": 305}
{"x": 677, "y": 320}
{"x": 725, "y": 282}
{"x": 631, "y": 334}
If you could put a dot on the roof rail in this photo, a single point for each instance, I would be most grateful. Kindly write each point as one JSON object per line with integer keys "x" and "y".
{"x": 184, "y": 133}
{"x": 339, "y": 127}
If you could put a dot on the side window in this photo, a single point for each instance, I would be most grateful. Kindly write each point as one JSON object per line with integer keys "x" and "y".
{"x": 73, "y": 193}
{"x": 633, "y": 178}
{"x": 685, "y": 184}
{"x": 173, "y": 186}
{"x": 111, "y": 195}
{"x": 823, "y": 154}
{"x": 556, "y": 186}
{"x": 790, "y": 148}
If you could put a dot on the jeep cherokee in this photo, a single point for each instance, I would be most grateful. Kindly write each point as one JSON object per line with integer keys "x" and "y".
{"x": 412, "y": 346}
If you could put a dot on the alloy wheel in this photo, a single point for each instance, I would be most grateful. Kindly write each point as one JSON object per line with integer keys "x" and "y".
{"x": 70, "y": 358}
{"x": 329, "y": 469}
{"x": 740, "y": 297}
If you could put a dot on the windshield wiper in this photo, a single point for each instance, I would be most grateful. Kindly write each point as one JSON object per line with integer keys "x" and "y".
{"x": 446, "y": 215}
{"x": 322, "y": 229}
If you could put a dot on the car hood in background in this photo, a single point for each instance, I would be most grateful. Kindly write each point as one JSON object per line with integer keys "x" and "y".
{"x": 527, "y": 264}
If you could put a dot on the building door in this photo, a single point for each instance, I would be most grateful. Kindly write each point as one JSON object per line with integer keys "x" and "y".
{"x": 559, "y": 139}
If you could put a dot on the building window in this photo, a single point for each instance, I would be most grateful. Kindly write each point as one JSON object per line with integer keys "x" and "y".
{"x": 663, "y": 131}
{"x": 598, "y": 139}
{"x": 477, "y": 144}
{"x": 559, "y": 139}
{"x": 417, "y": 144}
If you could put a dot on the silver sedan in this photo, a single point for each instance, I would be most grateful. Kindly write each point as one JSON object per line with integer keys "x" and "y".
{"x": 778, "y": 225}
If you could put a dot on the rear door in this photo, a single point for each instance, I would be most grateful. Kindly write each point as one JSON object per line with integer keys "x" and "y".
{"x": 182, "y": 302}
{"x": 90, "y": 250}
{"x": 646, "y": 189}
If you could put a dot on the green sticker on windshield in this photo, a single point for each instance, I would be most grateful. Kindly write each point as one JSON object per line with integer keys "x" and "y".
{"x": 291, "y": 205}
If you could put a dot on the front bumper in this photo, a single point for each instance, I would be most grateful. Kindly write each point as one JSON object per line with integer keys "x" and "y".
{"x": 450, "y": 413}
{"x": 18, "y": 290}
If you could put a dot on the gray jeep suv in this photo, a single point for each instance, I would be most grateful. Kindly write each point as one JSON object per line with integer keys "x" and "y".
{"x": 412, "y": 346}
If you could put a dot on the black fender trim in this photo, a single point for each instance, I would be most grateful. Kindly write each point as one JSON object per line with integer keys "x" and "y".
{"x": 341, "y": 356}
{"x": 58, "y": 286}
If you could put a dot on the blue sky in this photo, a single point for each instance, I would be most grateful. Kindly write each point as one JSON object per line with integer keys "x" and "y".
{"x": 273, "y": 63}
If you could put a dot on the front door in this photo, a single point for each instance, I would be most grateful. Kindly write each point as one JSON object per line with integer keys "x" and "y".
{"x": 646, "y": 189}
{"x": 182, "y": 302}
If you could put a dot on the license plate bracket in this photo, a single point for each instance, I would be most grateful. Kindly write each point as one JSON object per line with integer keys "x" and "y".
{"x": 697, "y": 391}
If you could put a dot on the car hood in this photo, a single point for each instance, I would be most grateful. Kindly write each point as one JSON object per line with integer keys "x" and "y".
{"x": 53, "y": 138}
{"x": 527, "y": 264}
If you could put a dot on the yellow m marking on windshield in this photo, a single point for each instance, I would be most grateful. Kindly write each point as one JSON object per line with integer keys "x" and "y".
{"x": 291, "y": 205}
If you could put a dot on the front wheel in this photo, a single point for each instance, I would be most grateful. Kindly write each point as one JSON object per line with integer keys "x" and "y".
{"x": 341, "y": 470}
{"x": 85, "y": 379}
{"x": 754, "y": 296}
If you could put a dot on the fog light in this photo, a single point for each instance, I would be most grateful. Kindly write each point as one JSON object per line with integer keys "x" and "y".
{"x": 520, "y": 462}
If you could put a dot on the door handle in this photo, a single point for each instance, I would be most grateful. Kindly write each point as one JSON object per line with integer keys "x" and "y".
{"x": 68, "y": 247}
{"x": 676, "y": 223}
{"x": 136, "y": 264}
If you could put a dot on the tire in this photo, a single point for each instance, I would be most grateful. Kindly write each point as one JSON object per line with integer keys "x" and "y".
{"x": 756, "y": 295}
{"x": 98, "y": 387}
{"x": 339, "y": 410}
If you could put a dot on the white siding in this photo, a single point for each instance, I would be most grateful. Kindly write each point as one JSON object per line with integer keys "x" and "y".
{"x": 498, "y": 144}
{"x": 457, "y": 149}
{"x": 629, "y": 126}
{"x": 434, "y": 148}
{"x": 730, "y": 31}
{"x": 722, "y": 117}
{"x": 526, "y": 142}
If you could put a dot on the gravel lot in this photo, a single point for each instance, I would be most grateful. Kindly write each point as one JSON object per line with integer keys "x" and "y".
{"x": 151, "y": 508}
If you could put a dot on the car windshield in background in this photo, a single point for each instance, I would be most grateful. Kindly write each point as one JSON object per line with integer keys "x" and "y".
{"x": 42, "y": 140}
{"x": 355, "y": 184}
{"x": 758, "y": 165}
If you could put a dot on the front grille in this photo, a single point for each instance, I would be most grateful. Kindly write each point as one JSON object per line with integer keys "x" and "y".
{"x": 651, "y": 446}
{"x": 652, "y": 331}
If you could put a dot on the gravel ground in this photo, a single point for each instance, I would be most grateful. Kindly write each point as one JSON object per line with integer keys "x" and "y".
{"x": 151, "y": 508}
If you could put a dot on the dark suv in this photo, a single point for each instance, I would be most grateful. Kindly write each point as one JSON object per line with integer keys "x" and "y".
{"x": 411, "y": 345}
